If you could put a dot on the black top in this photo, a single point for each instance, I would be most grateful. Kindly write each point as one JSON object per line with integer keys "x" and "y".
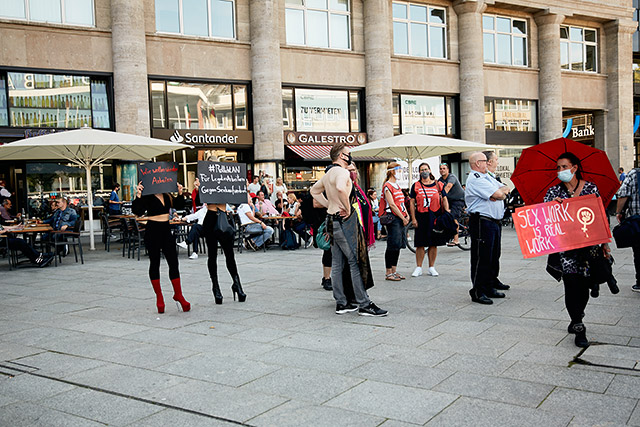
{"x": 151, "y": 205}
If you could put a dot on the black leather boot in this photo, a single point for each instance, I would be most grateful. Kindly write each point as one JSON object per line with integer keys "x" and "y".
{"x": 215, "y": 288}
{"x": 237, "y": 289}
{"x": 581, "y": 335}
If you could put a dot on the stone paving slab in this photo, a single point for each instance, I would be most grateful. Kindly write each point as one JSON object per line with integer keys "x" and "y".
{"x": 593, "y": 406}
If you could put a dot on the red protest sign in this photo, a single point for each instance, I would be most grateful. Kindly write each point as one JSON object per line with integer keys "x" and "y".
{"x": 552, "y": 227}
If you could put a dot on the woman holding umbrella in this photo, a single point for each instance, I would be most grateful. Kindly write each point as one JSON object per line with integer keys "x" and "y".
{"x": 573, "y": 266}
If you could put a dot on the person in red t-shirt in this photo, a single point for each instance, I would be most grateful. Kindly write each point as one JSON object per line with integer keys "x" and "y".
{"x": 426, "y": 199}
{"x": 396, "y": 235}
{"x": 195, "y": 196}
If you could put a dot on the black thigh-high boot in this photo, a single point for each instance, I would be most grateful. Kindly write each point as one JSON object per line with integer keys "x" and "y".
{"x": 215, "y": 288}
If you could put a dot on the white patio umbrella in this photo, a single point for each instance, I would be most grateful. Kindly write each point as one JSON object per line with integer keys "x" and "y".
{"x": 413, "y": 146}
{"x": 87, "y": 148}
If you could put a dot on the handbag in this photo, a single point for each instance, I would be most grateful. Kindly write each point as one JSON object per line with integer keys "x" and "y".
{"x": 223, "y": 228}
{"x": 323, "y": 240}
{"x": 627, "y": 233}
{"x": 386, "y": 218}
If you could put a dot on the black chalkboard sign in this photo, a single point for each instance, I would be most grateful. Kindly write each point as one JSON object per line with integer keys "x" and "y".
{"x": 222, "y": 182}
{"x": 158, "y": 177}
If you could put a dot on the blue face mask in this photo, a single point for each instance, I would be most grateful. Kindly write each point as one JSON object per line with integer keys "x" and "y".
{"x": 565, "y": 175}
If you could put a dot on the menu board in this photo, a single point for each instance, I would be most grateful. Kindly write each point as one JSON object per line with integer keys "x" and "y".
{"x": 222, "y": 182}
{"x": 158, "y": 177}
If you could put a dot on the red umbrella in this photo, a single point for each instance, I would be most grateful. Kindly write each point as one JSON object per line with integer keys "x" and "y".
{"x": 536, "y": 169}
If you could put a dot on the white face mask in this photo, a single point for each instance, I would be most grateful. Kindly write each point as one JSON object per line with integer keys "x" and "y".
{"x": 565, "y": 175}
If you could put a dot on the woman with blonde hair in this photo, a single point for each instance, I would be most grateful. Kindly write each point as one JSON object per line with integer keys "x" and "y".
{"x": 392, "y": 207}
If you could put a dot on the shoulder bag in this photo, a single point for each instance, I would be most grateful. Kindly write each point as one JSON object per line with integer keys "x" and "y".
{"x": 627, "y": 233}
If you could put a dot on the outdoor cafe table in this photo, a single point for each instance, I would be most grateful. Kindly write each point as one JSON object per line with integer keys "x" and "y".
{"x": 30, "y": 231}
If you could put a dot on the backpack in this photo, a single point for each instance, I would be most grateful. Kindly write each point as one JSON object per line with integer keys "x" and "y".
{"x": 289, "y": 240}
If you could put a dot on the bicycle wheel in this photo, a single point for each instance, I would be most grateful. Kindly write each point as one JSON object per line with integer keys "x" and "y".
{"x": 464, "y": 237}
{"x": 409, "y": 231}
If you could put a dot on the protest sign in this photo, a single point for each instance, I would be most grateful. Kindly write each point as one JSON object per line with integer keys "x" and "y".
{"x": 158, "y": 177}
{"x": 222, "y": 182}
{"x": 552, "y": 227}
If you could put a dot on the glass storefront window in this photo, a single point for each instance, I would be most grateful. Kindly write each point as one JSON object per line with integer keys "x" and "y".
{"x": 354, "y": 111}
{"x": 57, "y": 101}
{"x": 100, "y": 104}
{"x": 504, "y": 40}
{"x": 4, "y": 115}
{"x": 578, "y": 49}
{"x": 451, "y": 116}
{"x": 317, "y": 23}
{"x": 287, "y": 109}
{"x": 73, "y": 12}
{"x": 190, "y": 105}
{"x": 419, "y": 30}
{"x": 322, "y": 110}
{"x": 423, "y": 114}
{"x": 206, "y": 18}
{"x": 395, "y": 105}
{"x": 159, "y": 115}
{"x": 512, "y": 115}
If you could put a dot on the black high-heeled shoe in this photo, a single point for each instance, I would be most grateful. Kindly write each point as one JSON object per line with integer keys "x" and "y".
{"x": 237, "y": 289}
{"x": 215, "y": 288}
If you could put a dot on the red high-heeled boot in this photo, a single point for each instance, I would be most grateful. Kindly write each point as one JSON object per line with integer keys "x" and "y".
{"x": 177, "y": 295}
{"x": 159, "y": 298}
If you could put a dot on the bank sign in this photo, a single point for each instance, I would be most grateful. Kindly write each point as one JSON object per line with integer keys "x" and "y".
{"x": 325, "y": 138}
{"x": 206, "y": 138}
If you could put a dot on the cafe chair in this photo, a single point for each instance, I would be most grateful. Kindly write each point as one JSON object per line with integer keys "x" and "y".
{"x": 12, "y": 256}
{"x": 136, "y": 238}
{"x": 247, "y": 235}
{"x": 70, "y": 238}
{"x": 109, "y": 229}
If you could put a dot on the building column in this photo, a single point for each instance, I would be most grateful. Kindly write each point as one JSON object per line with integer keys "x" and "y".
{"x": 130, "y": 83}
{"x": 600, "y": 121}
{"x": 549, "y": 77}
{"x": 266, "y": 80}
{"x": 471, "y": 72}
{"x": 377, "y": 60}
{"x": 619, "y": 70}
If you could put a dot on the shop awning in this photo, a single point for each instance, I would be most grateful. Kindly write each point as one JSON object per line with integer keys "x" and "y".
{"x": 321, "y": 153}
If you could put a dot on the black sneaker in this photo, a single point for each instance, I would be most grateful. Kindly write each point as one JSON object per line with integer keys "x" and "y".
{"x": 581, "y": 335}
{"x": 46, "y": 260}
{"x": 326, "y": 284}
{"x": 249, "y": 244}
{"x": 372, "y": 310}
{"x": 348, "y": 308}
{"x": 636, "y": 287}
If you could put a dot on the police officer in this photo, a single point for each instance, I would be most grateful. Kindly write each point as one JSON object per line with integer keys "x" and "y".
{"x": 484, "y": 195}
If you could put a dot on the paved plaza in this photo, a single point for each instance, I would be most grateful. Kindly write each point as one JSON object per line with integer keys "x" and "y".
{"x": 82, "y": 345}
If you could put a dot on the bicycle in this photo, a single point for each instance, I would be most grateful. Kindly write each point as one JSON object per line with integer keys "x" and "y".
{"x": 464, "y": 237}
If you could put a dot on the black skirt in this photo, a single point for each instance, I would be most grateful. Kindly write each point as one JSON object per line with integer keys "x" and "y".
{"x": 423, "y": 237}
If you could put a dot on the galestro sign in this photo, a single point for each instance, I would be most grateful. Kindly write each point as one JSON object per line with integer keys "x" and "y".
{"x": 352, "y": 138}
{"x": 552, "y": 227}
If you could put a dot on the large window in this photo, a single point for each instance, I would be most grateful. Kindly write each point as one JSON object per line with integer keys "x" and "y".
{"x": 504, "y": 40}
{"x": 54, "y": 101}
{"x": 318, "y": 23}
{"x": 425, "y": 115}
{"x": 319, "y": 110}
{"x": 188, "y": 105}
{"x": 578, "y": 48}
{"x": 206, "y": 18}
{"x": 72, "y": 12}
{"x": 419, "y": 30}
{"x": 514, "y": 115}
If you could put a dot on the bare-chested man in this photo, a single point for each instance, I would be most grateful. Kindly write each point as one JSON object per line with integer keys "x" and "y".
{"x": 336, "y": 183}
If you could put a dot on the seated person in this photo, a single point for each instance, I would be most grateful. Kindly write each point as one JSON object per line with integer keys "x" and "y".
{"x": 281, "y": 204}
{"x": 5, "y": 211}
{"x": 64, "y": 218}
{"x": 38, "y": 258}
{"x": 296, "y": 223}
{"x": 196, "y": 230}
{"x": 264, "y": 206}
{"x": 259, "y": 230}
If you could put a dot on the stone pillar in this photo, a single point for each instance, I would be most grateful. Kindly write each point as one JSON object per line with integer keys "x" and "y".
{"x": 550, "y": 77}
{"x": 599, "y": 130}
{"x": 618, "y": 68}
{"x": 268, "y": 138}
{"x": 130, "y": 83}
{"x": 377, "y": 60}
{"x": 471, "y": 72}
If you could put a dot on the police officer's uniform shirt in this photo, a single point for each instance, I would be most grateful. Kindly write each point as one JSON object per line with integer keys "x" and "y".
{"x": 480, "y": 187}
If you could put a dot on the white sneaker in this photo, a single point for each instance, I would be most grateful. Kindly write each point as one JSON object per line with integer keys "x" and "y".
{"x": 183, "y": 245}
{"x": 195, "y": 256}
{"x": 417, "y": 272}
{"x": 433, "y": 272}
